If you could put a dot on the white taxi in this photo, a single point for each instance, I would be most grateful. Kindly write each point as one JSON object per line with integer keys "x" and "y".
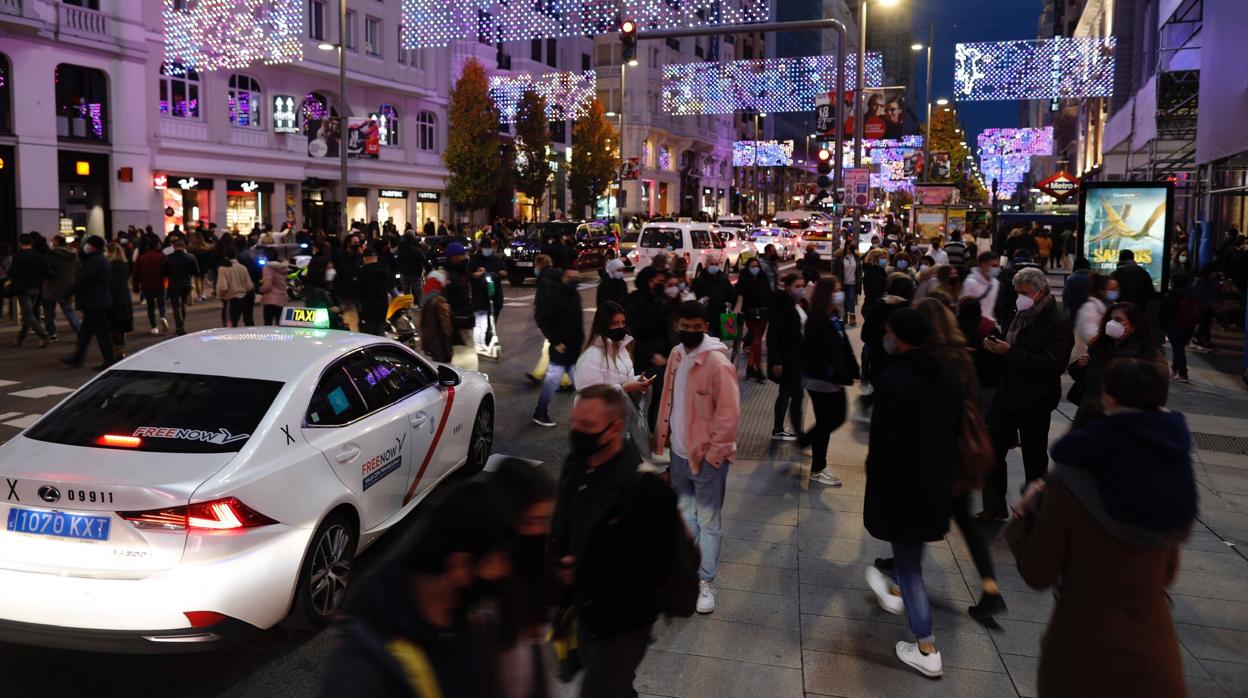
{"x": 223, "y": 481}
{"x": 693, "y": 241}
{"x": 787, "y": 243}
{"x": 815, "y": 227}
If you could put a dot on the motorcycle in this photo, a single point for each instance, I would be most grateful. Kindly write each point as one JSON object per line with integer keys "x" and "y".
{"x": 296, "y": 276}
{"x": 399, "y": 323}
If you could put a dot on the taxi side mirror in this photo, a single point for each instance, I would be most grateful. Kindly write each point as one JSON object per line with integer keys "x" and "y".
{"x": 448, "y": 377}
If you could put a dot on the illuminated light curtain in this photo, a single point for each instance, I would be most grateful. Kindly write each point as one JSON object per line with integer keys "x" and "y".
{"x": 1045, "y": 69}
{"x": 233, "y": 34}
{"x": 387, "y": 118}
{"x": 568, "y": 94}
{"x": 767, "y": 85}
{"x": 431, "y": 23}
{"x": 1005, "y": 155}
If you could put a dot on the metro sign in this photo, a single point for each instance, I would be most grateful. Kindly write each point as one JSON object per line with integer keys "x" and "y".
{"x": 1060, "y": 186}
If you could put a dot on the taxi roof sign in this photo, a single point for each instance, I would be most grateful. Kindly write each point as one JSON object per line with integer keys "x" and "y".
{"x": 317, "y": 318}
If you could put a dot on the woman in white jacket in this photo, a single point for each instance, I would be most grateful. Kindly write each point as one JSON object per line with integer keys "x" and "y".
{"x": 1104, "y": 292}
{"x": 607, "y": 358}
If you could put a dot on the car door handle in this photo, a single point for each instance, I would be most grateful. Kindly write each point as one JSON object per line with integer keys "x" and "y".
{"x": 419, "y": 420}
{"x": 348, "y": 453}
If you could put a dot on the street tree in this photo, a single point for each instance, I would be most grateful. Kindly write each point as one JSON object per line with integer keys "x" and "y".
{"x": 947, "y": 135}
{"x": 472, "y": 144}
{"x": 532, "y": 165}
{"x": 595, "y": 157}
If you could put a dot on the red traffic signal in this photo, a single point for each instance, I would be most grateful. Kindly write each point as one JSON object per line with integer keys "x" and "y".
{"x": 825, "y": 161}
{"x": 628, "y": 37}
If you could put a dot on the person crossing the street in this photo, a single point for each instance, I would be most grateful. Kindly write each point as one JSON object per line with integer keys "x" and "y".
{"x": 561, "y": 322}
{"x": 65, "y": 264}
{"x": 92, "y": 293}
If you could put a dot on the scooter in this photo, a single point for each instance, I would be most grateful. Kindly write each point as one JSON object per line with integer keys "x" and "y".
{"x": 295, "y": 277}
{"x": 399, "y": 324}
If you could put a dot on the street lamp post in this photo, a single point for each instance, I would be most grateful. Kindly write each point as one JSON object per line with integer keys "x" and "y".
{"x": 927, "y": 97}
{"x": 341, "y": 47}
{"x": 859, "y": 85}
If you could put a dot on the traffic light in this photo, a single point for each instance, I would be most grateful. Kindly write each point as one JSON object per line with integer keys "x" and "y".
{"x": 628, "y": 37}
{"x": 824, "y": 167}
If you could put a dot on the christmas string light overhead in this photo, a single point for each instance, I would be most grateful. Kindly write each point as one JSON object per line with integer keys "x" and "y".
{"x": 1045, "y": 69}
{"x": 233, "y": 34}
{"x": 568, "y": 94}
{"x": 1005, "y": 154}
{"x": 432, "y": 23}
{"x": 765, "y": 85}
{"x": 769, "y": 153}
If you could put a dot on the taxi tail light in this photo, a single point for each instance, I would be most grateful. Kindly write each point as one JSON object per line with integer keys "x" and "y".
{"x": 203, "y": 619}
{"x": 218, "y": 515}
{"x": 119, "y": 441}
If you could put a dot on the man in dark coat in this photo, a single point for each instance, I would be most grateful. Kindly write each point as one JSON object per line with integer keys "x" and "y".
{"x": 92, "y": 291}
{"x": 183, "y": 270}
{"x": 374, "y": 286}
{"x": 562, "y": 322}
{"x": 1035, "y": 350}
{"x": 458, "y": 290}
{"x": 1135, "y": 286}
{"x": 348, "y": 263}
{"x": 613, "y": 533}
{"x": 486, "y": 270}
{"x": 26, "y": 276}
{"x": 714, "y": 288}
{"x": 915, "y": 422}
{"x": 64, "y": 262}
{"x": 1077, "y": 288}
{"x": 413, "y": 264}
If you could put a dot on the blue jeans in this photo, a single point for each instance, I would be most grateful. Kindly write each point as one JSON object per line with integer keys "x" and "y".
{"x": 908, "y": 573}
{"x": 49, "y": 315}
{"x": 550, "y": 384}
{"x": 851, "y": 298}
{"x": 701, "y": 499}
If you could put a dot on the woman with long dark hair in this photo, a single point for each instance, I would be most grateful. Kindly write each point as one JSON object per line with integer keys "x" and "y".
{"x": 753, "y": 298}
{"x": 828, "y": 366}
{"x": 1124, "y": 334}
{"x": 607, "y": 358}
{"x": 784, "y": 353}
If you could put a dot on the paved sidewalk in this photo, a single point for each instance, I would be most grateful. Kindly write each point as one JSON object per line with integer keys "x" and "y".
{"x": 795, "y": 617}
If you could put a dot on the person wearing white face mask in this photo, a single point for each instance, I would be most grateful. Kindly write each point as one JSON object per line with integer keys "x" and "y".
{"x": 1124, "y": 333}
{"x": 1091, "y": 314}
{"x": 1035, "y": 351}
{"x": 982, "y": 284}
{"x": 611, "y": 285}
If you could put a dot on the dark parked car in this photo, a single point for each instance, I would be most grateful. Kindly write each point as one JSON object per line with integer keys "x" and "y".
{"x": 595, "y": 244}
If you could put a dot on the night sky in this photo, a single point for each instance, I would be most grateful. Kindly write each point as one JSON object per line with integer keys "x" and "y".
{"x": 963, "y": 21}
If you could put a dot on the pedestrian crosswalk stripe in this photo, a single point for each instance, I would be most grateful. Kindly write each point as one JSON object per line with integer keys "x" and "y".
{"x": 9, "y": 415}
{"x": 5, "y": 384}
{"x": 42, "y": 391}
{"x": 23, "y": 422}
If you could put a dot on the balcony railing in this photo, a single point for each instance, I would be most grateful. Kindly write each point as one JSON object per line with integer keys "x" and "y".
{"x": 79, "y": 21}
{"x": 11, "y": 7}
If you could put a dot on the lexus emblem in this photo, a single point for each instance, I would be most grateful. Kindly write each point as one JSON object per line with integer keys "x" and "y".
{"x": 49, "y": 494}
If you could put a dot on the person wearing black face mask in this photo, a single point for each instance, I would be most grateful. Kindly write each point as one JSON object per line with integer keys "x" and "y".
{"x": 653, "y": 335}
{"x": 609, "y": 534}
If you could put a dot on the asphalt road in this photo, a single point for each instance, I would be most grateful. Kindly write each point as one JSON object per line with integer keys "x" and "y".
{"x": 276, "y": 662}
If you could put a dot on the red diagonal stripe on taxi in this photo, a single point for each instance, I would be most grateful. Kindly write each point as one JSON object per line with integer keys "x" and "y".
{"x": 437, "y": 436}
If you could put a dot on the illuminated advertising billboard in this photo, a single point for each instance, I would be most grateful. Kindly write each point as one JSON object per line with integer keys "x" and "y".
{"x": 762, "y": 153}
{"x": 1136, "y": 216}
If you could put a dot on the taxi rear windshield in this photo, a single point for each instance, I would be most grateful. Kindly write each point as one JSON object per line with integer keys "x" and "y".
{"x": 160, "y": 412}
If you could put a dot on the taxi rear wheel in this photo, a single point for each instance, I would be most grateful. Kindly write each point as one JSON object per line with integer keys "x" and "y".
{"x": 481, "y": 443}
{"x": 325, "y": 574}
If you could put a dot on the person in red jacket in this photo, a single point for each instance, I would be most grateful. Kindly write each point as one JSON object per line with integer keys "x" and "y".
{"x": 151, "y": 271}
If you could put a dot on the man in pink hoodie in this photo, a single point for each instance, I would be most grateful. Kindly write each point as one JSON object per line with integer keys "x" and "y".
{"x": 698, "y": 417}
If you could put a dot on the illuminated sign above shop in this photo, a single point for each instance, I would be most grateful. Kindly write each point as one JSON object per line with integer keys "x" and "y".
{"x": 160, "y": 181}
{"x": 249, "y": 187}
{"x": 428, "y": 196}
{"x": 284, "y": 119}
{"x": 392, "y": 194}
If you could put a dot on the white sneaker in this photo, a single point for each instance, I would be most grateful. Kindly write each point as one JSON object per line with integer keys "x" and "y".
{"x": 663, "y": 458}
{"x": 706, "y": 597}
{"x": 881, "y": 586}
{"x": 164, "y": 325}
{"x": 155, "y": 330}
{"x": 928, "y": 665}
{"x": 824, "y": 478}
